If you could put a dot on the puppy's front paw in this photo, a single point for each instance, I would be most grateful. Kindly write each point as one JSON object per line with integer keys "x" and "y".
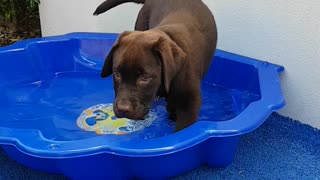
{"x": 181, "y": 126}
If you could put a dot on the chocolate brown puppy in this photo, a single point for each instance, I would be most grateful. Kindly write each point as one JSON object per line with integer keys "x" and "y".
{"x": 166, "y": 56}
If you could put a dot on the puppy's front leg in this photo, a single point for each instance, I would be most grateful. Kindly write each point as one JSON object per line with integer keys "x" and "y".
{"x": 186, "y": 116}
{"x": 171, "y": 111}
{"x": 187, "y": 108}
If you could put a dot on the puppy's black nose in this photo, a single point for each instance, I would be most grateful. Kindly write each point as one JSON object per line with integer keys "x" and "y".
{"x": 124, "y": 108}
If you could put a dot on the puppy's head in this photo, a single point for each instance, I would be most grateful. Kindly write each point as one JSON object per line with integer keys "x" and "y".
{"x": 141, "y": 63}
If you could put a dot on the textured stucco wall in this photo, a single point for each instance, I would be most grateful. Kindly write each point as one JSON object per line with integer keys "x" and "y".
{"x": 282, "y": 32}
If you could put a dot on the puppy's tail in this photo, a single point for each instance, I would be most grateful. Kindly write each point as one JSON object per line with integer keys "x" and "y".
{"x": 105, "y": 6}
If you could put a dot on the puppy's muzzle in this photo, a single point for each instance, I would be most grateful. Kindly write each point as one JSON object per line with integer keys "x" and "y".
{"x": 123, "y": 108}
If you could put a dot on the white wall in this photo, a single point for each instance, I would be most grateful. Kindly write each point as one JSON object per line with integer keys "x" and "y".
{"x": 282, "y": 32}
{"x": 64, "y": 16}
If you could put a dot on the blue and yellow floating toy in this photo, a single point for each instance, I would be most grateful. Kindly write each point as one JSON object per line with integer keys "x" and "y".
{"x": 102, "y": 120}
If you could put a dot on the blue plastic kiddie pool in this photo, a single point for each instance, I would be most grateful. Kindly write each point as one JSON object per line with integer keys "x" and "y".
{"x": 56, "y": 113}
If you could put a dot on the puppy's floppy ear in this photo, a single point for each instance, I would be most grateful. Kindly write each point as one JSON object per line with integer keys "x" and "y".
{"x": 172, "y": 58}
{"x": 108, "y": 63}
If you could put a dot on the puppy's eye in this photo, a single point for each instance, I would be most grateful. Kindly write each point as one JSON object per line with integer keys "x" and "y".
{"x": 144, "y": 78}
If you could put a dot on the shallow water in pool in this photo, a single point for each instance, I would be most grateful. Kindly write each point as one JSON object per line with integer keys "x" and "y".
{"x": 54, "y": 106}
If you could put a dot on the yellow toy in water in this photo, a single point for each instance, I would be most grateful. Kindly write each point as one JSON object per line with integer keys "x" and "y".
{"x": 102, "y": 120}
